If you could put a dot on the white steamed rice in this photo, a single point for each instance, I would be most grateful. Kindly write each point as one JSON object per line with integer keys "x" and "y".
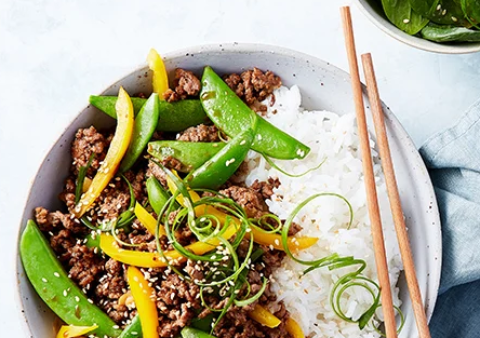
{"x": 332, "y": 138}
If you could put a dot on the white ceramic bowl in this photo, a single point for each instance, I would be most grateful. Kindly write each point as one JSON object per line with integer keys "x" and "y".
{"x": 323, "y": 87}
{"x": 372, "y": 9}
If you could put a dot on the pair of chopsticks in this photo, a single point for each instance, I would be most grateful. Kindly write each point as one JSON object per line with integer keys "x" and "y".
{"x": 392, "y": 189}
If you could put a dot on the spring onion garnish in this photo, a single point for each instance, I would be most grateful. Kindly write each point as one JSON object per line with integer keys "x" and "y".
{"x": 265, "y": 223}
{"x": 275, "y": 166}
{"x": 82, "y": 173}
{"x": 400, "y": 327}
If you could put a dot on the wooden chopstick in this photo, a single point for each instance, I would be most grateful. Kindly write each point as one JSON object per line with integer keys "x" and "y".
{"x": 394, "y": 197}
{"x": 372, "y": 201}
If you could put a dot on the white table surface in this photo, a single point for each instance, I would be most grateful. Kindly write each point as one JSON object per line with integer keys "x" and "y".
{"x": 55, "y": 53}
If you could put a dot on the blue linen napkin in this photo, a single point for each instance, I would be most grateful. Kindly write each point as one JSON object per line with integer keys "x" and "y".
{"x": 453, "y": 160}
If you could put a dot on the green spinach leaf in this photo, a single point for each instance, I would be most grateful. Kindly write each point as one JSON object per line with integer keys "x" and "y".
{"x": 401, "y": 14}
{"x": 471, "y": 8}
{"x": 438, "y": 33}
{"x": 448, "y": 12}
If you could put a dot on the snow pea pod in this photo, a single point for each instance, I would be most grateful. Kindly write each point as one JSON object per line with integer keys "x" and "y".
{"x": 134, "y": 330}
{"x": 59, "y": 292}
{"x": 144, "y": 126}
{"x": 176, "y": 116}
{"x": 216, "y": 171}
{"x": 157, "y": 195}
{"x": 191, "y": 154}
{"x": 232, "y": 115}
{"x": 190, "y": 332}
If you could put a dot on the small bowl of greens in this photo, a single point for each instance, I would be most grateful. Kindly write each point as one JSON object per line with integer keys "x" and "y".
{"x": 441, "y": 26}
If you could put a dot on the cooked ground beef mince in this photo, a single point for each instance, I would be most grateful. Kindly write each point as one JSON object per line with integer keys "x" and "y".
{"x": 185, "y": 84}
{"x": 200, "y": 133}
{"x": 254, "y": 86}
{"x": 178, "y": 300}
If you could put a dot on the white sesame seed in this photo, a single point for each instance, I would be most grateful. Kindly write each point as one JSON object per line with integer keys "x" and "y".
{"x": 439, "y": 7}
{"x": 44, "y": 280}
{"x": 444, "y": 12}
{"x": 90, "y": 301}
{"x": 277, "y": 242}
{"x": 77, "y": 299}
{"x": 454, "y": 19}
{"x": 243, "y": 142}
{"x": 406, "y": 20}
{"x": 65, "y": 293}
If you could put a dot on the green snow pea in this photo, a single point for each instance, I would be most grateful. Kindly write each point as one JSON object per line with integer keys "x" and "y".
{"x": 191, "y": 154}
{"x": 232, "y": 115}
{"x": 59, "y": 292}
{"x": 175, "y": 117}
{"x": 157, "y": 195}
{"x": 145, "y": 123}
{"x": 216, "y": 171}
{"x": 134, "y": 330}
{"x": 189, "y": 332}
{"x": 447, "y": 34}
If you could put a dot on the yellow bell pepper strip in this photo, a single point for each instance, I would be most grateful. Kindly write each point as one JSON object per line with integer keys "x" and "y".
{"x": 145, "y": 301}
{"x": 70, "y": 331}
{"x": 160, "y": 77}
{"x": 262, "y": 316}
{"x": 147, "y": 220}
{"x": 275, "y": 241}
{"x": 293, "y": 328}
{"x": 87, "y": 182}
{"x": 136, "y": 258}
{"x": 260, "y": 237}
{"x": 152, "y": 259}
{"x": 117, "y": 149}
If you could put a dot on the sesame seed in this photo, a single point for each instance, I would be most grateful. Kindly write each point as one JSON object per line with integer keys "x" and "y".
{"x": 259, "y": 136}
{"x": 77, "y": 299}
{"x": 406, "y": 20}
{"x": 454, "y": 19}
{"x": 243, "y": 142}
{"x": 90, "y": 301}
{"x": 444, "y": 12}
{"x": 277, "y": 242}
{"x": 65, "y": 293}
{"x": 271, "y": 247}
{"x": 439, "y": 7}
{"x": 44, "y": 280}
{"x": 116, "y": 326}
{"x": 56, "y": 274}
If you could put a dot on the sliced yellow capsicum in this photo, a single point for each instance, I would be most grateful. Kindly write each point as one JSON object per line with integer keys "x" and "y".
{"x": 160, "y": 77}
{"x": 260, "y": 237}
{"x": 275, "y": 240}
{"x": 263, "y": 316}
{"x": 70, "y": 331}
{"x": 145, "y": 302}
{"x": 152, "y": 259}
{"x": 117, "y": 149}
{"x": 147, "y": 220}
{"x": 293, "y": 328}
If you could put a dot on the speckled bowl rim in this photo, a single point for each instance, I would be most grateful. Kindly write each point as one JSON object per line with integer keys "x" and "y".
{"x": 237, "y": 48}
{"x": 429, "y": 46}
